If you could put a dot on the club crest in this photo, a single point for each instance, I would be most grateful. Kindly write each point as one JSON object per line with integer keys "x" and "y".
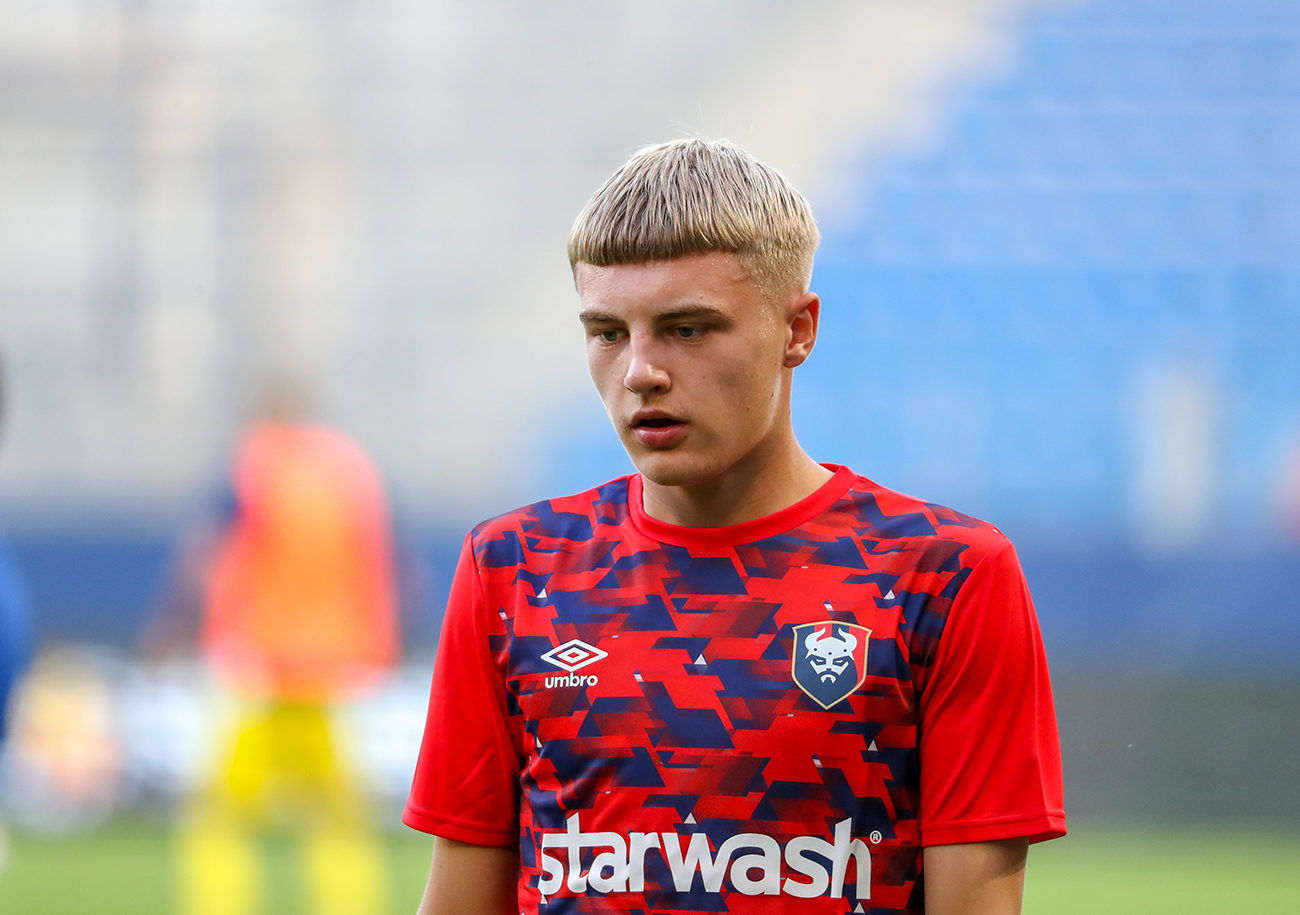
{"x": 830, "y": 660}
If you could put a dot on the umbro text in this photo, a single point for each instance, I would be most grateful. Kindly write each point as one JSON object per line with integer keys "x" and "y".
{"x": 572, "y": 680}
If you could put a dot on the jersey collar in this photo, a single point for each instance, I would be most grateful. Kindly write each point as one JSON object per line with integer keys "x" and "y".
{"x": 771, "y": 525}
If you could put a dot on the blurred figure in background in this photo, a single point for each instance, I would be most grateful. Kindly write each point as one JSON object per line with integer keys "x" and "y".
{"x": 15, "y": 647}
{"x": 15, "y": 638}
{"x": 64, "y": 764}
{"x": 298, "y": 613}
{"x": 15, "y": 635}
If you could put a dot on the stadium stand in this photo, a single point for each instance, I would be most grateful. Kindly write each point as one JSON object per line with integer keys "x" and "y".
{"x": 1123, "y": 201}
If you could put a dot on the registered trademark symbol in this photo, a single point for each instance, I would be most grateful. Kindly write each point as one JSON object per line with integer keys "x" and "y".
{"x": 875, "y": 837}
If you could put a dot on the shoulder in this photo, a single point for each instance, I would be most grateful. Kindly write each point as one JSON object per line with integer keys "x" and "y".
{"x": 886, "y": 515}
{"x": 552, "y": 524}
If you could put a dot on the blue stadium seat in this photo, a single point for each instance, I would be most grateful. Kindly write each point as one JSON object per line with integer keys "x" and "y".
{"x": 1127, "y": 190}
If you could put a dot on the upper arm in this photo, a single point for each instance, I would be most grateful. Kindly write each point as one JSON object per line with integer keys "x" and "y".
{"x": 471, "y": 880}
{"x": 978, "y": 878}
{"x": 989, "y": 754}
{"x": 466, "y": 783}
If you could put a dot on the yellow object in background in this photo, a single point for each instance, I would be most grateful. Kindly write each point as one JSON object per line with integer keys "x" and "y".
{"x": 282, "y": 771}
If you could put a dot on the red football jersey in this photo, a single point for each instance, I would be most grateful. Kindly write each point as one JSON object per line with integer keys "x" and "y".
{"x": 772, "y": 716}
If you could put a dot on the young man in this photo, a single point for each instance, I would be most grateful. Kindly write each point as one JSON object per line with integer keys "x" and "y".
{"x": 738, "y": 680}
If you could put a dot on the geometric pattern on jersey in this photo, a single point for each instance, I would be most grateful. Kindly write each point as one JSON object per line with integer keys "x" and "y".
{"x": 701, "y": 763}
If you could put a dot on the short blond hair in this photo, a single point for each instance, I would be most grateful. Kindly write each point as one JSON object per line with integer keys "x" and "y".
{"x": 692, "y": 196}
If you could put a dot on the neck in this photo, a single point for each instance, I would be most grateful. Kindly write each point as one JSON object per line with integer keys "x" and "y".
{"x": 756, "y": 486}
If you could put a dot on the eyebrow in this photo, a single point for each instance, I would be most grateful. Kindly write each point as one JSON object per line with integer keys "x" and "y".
{"x": 597, "y": 317}
{"x": 693, "y": 311}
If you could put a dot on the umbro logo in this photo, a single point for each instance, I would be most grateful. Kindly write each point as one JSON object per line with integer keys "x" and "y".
{"x": 574, "y": 654}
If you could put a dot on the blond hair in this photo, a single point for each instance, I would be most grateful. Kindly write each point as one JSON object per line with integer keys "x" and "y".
{"x": 692, "y": 196}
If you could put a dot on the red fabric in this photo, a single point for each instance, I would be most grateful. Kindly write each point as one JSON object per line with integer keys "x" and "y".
{"x": 683, "y": 704}
{"x": 467, "y": 775}
{"x": 990, "y": 759}
{"x": 786, "y": 519}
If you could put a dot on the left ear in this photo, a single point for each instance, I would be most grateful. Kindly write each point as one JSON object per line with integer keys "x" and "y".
{"x": 801, "y": 317}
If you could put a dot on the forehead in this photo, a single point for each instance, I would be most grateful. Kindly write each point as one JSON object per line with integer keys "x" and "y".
{"x": 715, "y": 278}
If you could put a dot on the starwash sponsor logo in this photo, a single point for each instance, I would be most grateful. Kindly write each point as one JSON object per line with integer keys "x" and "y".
{"x": 573, "y": 655}
{"x": 620, "y": 865}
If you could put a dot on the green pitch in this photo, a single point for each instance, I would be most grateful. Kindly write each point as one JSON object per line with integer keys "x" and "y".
{"x": 1195, "y": 869}
{"x": 125, "y": 869}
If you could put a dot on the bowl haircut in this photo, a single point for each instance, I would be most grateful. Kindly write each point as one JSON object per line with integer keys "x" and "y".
{"x": 694, "y": 196}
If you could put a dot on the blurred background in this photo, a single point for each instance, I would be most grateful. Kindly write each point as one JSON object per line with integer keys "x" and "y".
{"x": 1061, "y": 287}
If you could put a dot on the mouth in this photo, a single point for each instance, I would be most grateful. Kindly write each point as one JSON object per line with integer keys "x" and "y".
{"x": 658, "y": 430}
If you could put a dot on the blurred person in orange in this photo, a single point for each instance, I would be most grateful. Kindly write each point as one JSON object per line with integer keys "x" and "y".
{"x": 298, "y": 615}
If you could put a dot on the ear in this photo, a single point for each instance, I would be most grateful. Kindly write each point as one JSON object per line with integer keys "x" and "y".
{"x": 801, "y": 317}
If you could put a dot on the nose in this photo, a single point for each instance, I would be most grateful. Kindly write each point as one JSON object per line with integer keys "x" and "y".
{"x": 644, "y": 374}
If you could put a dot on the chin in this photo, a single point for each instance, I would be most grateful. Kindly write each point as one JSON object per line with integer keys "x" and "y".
{"x": 670, "y": 468}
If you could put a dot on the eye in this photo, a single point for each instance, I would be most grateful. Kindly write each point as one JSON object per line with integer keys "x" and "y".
{"x": 689, "y": 331}
{"x": 607, "y": 336}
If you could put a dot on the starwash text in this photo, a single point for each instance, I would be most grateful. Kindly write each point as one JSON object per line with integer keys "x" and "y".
{"x": 619, "y": 867}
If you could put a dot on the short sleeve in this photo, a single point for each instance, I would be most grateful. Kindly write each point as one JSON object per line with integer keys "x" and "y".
{"x": 466, "y": 785}
{"x": 990, "y": 754}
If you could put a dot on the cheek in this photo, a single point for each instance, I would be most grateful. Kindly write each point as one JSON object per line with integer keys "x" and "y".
{"x": 752, "y": 384}
{"x": 746, "y": 373}
{"x": 601, "y": 367}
